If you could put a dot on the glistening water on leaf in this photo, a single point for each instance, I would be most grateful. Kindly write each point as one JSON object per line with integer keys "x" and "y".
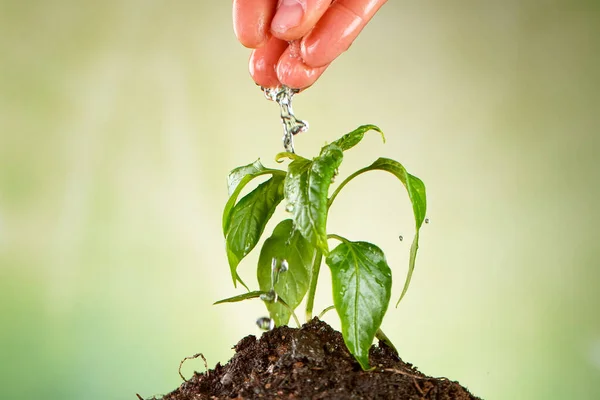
{"x": 248, "y": 219}
{"x": 287, "y": 244}
{"x": 237, "y": 180}
{"x": 361, "y": 277}
{"x": 362, "y": 284}
{"x": 306, "y": 189}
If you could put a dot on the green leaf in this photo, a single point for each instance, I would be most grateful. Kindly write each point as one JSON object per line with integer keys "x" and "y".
{"x": 416, "y": 192}
{"x": 241, "y": 297}
{"x": 237, "y": 180}
{"x": 286, "y": 244}
{"x": 351, "y": 139}
{"x": 306, "y": 190}
{"x": 286, "y": 154}
{"x": 248, "y": 220}
{"x": 362, "y": 284}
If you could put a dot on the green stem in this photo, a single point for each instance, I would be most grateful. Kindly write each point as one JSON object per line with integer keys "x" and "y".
{"x": 344, "y": 183}
{"x": 283, "y": 303}
{"x": 383, "y": 337}
{"x": 324, "y": 311}
{"x": 310, "y": 302}
{"x": 336, "y": 237}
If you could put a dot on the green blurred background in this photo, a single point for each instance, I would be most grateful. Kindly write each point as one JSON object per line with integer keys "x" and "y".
{"x": 119, "y": 121}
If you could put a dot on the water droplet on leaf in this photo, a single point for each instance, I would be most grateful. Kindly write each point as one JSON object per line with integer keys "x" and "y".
{"x": 284, "y": 266}
{"x": 265, "y": 323}
{"x": 289, "y": 207}
{"x": 269, "y": 297}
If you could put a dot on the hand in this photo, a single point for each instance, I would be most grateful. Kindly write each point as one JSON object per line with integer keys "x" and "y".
{"x": 294, "y": 41}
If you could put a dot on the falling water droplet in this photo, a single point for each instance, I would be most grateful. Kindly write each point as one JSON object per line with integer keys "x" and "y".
{"x": 426, "y": 220}
{"x": 289, "y": 207}
{"x": 265, "y": 323}
{"x": 401, "y": 238}
{"x": 291, "y": 125}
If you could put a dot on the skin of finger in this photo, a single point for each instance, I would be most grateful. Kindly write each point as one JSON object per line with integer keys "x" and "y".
{"x": 292, "y": 72}
{"x": 313, "y": 11}
{"x": 252, "y": 21}
{"x": 336, "y": 30}
{"x": 263, "y": 62}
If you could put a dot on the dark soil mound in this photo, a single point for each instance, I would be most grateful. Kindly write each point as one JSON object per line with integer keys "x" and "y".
{"x": 313, "y": 363}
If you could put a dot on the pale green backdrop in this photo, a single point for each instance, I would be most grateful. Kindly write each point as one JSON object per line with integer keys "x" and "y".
{"x": 119, "y": 121}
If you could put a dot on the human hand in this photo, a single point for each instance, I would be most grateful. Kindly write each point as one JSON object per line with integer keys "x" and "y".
{"x": 294, "y": 41}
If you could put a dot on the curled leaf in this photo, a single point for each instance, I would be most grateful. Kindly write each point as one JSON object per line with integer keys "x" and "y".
{"x": 237, "y": 180}
{"x": 248, "y": 220}
{"x": 351, "y": 139}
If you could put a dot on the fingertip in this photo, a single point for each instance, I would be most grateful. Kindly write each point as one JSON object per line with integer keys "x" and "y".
{"x": 292, "y": 72}
{"x": 263, "y": 61}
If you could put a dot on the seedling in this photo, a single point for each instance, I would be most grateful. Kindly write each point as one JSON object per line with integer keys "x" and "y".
{"x": 290, "y": 259}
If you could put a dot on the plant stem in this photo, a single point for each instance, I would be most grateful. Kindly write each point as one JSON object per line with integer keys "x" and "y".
{"x": 344, "y": 183}
{"x": 336, "y": 237}
{"x": 310, "y": 302}
{"x": 325, "y": 310}
{"x": 383, "y": 337}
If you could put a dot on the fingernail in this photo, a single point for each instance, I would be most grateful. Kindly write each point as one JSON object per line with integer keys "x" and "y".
{"x": 289, "y": 14}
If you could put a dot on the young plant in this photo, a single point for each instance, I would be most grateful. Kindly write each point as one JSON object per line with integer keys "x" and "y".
{"x": 290, "y": 259}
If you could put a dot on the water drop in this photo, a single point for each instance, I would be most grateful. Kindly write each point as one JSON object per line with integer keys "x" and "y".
{"x": 401, "y": 238}
{"x": 289, "y": 207}
{"x": 269, "y": 297}
{"x": 265, "y": 323}
{"x": 426, "y": 220}
{"x": 284, "y": 266}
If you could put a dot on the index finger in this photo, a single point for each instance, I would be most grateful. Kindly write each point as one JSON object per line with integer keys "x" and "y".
{"x": 252, "y": 21}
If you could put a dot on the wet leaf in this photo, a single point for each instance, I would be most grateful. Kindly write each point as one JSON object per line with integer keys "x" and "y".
{"x": 362, "y": 283}
{"x": 241, "y": 297}
{"x": 248, "y": 220}
{"x": 286, "y": 244}
{"x": 306, "y": 190}
{"x": 237, "y": 180}
{"x": 351, "y": 139}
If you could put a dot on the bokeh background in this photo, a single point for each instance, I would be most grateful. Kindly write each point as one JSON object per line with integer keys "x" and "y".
{"x": 119, "y": 121}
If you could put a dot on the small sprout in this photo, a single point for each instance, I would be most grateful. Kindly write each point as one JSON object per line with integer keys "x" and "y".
{"x": 300, "y": 243}
{"x": 265, "y": 323}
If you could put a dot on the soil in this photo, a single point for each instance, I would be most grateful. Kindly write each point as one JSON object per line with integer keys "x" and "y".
{"x": 313, "y": 363}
